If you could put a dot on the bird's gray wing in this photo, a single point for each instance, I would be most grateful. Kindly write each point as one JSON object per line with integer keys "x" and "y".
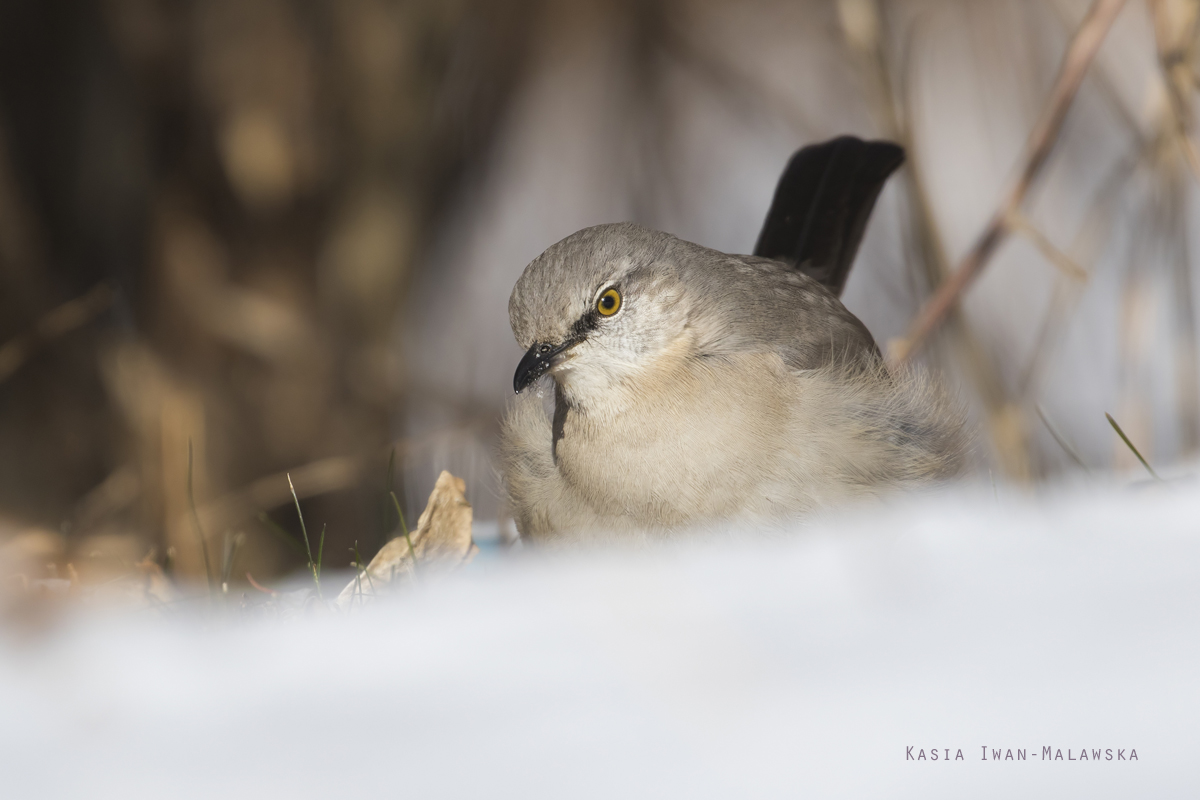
{"x": 747, "y": 303}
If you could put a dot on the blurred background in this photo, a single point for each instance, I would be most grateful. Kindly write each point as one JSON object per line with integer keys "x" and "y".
{"x": 245, "y": 239}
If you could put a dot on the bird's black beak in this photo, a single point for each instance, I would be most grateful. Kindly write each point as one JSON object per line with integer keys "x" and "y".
{"x": 536, "y": 362}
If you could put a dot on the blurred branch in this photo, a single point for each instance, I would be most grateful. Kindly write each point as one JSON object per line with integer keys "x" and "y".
{"x": 69, "y": 316}
{"x": 1093, "y": 233}
{"x": 1102, "y": 79}
{"x": 1079, "y": 55}
{"x": 1174, "y": 61}
{"x": 1019, "y": 223}
{"x": 866, "y": 27}
{"x": 864, "y": 23}
{"x": 1176, "y": 27}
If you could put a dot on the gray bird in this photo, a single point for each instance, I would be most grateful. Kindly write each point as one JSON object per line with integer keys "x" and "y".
{"x": 690, "y": 385}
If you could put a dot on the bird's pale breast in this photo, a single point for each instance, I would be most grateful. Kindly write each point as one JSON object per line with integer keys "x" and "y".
{"x": 687, "y": 444}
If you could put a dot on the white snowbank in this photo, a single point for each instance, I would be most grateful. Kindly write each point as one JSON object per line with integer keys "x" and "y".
{"x": 800, "y": 666}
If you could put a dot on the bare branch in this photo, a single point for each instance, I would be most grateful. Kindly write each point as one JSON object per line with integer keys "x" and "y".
{"x": 1079, "y": 55}
{"x": 1019, "y": 223}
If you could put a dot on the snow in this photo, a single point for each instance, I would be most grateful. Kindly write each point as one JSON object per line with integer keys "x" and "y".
{"x": 730, "y": 665}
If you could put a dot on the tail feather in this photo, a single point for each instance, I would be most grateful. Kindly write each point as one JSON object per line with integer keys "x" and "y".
{"x": 822, "y": 205}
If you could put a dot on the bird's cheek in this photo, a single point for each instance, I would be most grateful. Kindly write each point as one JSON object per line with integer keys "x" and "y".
{"x": 566, "y": 365}
{"x": 585, "y": 386}
{"x": 571, "y": 364}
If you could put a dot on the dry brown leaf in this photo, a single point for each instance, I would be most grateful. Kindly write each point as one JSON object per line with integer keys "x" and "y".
{"x": 441, "y": 542}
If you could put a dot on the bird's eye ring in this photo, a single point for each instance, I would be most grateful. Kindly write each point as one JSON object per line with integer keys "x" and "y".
{"x": 609, "y": 303}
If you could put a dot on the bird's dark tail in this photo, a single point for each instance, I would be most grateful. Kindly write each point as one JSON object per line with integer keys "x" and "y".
{"x": 822, "y": 205}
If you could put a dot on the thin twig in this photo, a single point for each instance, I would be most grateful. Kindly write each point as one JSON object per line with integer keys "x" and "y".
{"x": 1021, "y": 224}
{"x": 1096, "y": 229}
{"x": 260, "y": 587}
{"x": 1102, "y": 78}
{"x": 869, "y": 35}
{"x": 1079, "y": 55}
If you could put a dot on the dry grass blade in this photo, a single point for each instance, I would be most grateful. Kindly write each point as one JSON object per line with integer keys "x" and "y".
{"x": 1062, "y": 440}
{"x": 1079, "y": 55}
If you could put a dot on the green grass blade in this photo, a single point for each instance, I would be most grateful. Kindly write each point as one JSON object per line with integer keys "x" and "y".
{"x": 304, "y": 530}
{"x": 320, "y": 551}
{"x": 279, "y": 532}
{"x": 411, "y": 552}
{"x": 208, "y": 574}
{"x": 362, "y": 572}
{"x": 1129, "y": 444}
{"x": 387, "y": 489}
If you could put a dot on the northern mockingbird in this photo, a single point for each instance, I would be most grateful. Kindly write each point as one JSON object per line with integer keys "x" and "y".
{"x": 691, "y": 385}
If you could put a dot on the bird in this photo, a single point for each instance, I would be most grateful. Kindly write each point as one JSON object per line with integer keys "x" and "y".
{"x": 688, "y": 386}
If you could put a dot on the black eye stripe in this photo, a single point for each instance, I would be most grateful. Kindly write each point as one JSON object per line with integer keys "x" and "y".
{"x": 591, "y": 320}
{"x": 584, "y": 324}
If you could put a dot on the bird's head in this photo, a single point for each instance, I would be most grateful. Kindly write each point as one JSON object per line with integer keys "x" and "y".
{"x": 598, "y": 307}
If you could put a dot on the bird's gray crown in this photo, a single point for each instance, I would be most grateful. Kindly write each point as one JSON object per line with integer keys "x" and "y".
{"x": 559, "y": 288}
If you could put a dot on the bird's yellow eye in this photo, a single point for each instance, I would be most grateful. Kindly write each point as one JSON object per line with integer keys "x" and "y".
{"x": 609, "y": 303}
